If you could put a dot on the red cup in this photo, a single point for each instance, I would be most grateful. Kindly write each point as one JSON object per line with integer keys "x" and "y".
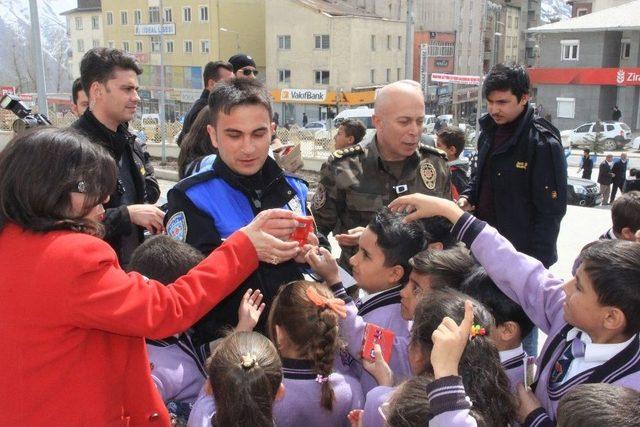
{"x": 304, "y": 226}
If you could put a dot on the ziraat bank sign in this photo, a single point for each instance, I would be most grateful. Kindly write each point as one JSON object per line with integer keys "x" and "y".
{"x": 303, "y": 95}
{"x": 586, "y": 76}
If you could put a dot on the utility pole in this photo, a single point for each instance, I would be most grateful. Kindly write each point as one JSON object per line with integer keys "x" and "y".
{"x": 483, "y": 24}
{"x": 38, "y": 62}
{"x": 161, "y": 104}
{"x": 408, "y": 55}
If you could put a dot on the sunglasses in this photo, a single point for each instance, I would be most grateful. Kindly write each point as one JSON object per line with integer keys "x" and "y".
{"x": 249, "y": 71}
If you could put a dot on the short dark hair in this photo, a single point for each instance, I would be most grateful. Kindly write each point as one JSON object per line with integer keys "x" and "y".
{"x": 614, "y": 268}
{"x": 399, "y": 241}
{"x": 507, "y": 77}
{"x": 75, "y": 88}
{"x": 236, "y": 92}
{"x": 99, "y": 64}
{"x": 354, "y": 128}
{"x": 212, "y": 70}
{"x": 452, "y": 136}
{"x": 447, "y": 268}
{"x": 163, "y": 259}
{"x": 625, "y": 212}
{"x": 480, "y": 286}
{"x": 586, "y": 150}
{"x": 39, "y": 199}
{"x": 438, "y": 230}
{"x": 596, "y": 405}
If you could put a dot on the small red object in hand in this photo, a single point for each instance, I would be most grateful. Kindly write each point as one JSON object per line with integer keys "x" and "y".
{"x": 304, "y": 226}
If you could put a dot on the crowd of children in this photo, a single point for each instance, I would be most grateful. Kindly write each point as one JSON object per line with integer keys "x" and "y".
{"x": 434, "y": 336}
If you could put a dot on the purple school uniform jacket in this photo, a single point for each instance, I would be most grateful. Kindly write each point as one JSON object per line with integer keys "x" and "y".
{"x": 376, "y": 398}
{"x": 382, "y": 310}
{"x": 300, "y": 405}
{"x": 539, "y": 293}
{"x": 177, "y": 367}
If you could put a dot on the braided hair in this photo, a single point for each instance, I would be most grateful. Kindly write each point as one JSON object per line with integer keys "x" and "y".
{"x": 311, "y": 329}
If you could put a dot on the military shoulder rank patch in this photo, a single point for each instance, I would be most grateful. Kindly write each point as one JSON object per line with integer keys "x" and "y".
{"x": 433, "y": 150}
{"x": 177, "y": 227}
{"x": 349, "y": 151}
{"x": 319, "y": 198}
{"x": 428, "y": 175}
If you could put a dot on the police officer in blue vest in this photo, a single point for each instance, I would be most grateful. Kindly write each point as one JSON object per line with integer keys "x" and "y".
{"x": 204, "y": 209}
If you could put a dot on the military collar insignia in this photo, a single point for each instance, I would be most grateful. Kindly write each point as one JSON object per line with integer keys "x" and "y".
{"x": 349, "y": 151}
{"x": 428, "y": 175}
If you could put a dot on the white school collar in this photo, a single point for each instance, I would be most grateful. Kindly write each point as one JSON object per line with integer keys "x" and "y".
{"x": 510, "y": 354}
{"x": 597, "y": 353}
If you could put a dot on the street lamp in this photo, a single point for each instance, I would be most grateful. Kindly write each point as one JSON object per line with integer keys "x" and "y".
{"x": 226, "y": 30}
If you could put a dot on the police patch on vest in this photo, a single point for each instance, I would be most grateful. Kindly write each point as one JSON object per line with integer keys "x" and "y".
{"x": 177, "y": 227}
{"x": 295, "y": 205}
{"x": 320, "y": 198}
{"x": 428, "y": 175}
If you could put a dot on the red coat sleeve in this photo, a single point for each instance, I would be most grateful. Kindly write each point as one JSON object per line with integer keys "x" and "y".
{"x": 100, "y": 295}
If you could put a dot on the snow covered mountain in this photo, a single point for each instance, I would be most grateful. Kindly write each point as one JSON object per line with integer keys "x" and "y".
{"x": 554, "y": 10}
{"x": 16, "y": 69}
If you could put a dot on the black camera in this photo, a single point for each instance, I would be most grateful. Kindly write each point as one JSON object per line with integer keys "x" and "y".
{"x": 25, "y": 119}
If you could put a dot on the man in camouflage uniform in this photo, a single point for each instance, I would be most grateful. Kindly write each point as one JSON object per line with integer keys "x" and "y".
{"x": 357, "y": 181}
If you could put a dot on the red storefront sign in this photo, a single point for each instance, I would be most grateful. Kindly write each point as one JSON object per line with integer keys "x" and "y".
{"x": 586, "y": 76}
{"x": 7, "y": 89}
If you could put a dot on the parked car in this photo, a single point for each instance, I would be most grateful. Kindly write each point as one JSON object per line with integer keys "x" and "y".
{"x": 314, "y": 126}
{"x": 635, "y": 144}
{"x": 583, "y": 192}
{"x": 429, "y": 123}
{"x": 446, "y": 119}
{"x": 363, "y": 114}
{"x": 615, "y": 135}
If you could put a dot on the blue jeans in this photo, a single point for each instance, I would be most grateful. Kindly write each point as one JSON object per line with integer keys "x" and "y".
{"x": 530, "y": 343}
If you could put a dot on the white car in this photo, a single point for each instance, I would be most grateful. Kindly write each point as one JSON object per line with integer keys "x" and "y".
{"x": 313, "y": 126}
{"x": 614, "y": 134}
{"x": 635, "y": 144}
{"x": 429, "y": 123}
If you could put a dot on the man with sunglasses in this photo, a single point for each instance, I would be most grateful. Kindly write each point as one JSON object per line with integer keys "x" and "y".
{"x": 244, "y": 67}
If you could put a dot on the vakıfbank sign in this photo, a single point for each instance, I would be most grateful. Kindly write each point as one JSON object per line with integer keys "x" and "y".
{"x": 155, "y": 29}
{"x": 303, "y": 95}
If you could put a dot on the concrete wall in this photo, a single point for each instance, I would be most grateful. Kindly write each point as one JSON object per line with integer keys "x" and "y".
{"x": 597, "y": 49}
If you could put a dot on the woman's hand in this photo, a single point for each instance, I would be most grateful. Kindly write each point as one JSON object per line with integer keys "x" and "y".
{"x": 324, "y": 264}
{"x": 251, "y": 307}
{"x": 421, "y": 206}
{"x": 260, "y": 231}
{"x": 350, "y": 238}
{"x": 449, "y": 342}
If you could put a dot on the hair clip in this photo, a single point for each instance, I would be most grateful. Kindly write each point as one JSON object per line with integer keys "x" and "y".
{"x": 334, "y": 304}
{"x": 321, "y": 379}
{"x": 477, "y": 330}
{"x": 248, "y": 361}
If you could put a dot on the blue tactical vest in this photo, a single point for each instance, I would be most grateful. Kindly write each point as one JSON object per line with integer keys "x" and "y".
{"x": 230, "y": 208}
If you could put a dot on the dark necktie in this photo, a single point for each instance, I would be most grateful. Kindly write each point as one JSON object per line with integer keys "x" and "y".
{"x": 576, "y": 349}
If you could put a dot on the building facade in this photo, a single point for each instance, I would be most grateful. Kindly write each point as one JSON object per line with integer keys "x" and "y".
{"x": 84, "y": 27}
{"x": 323, "y": 57}
{"x": 588, "y": 65}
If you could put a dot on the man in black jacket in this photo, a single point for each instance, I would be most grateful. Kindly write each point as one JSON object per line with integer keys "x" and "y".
{"x": 520, "y": 184}
{"x": 213, "y": 73}
{"x": 110, "y": 79}
{"x": 619, "y": 171}
{"x": 605, "y": 178}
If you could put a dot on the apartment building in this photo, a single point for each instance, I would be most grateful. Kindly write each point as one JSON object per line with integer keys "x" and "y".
{"x": 84, "y": 27}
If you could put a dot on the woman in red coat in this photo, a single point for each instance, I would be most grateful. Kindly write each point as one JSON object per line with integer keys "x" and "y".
{"x": 72, "y": 321}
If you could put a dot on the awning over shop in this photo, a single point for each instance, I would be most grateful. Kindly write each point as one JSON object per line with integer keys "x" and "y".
{"x": 322, "y": 97}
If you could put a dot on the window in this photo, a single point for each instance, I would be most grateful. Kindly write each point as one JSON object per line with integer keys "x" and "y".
{"x": 95, "y": 22}
{"x": 111, "y": 44}
{"x": 284, "y": 42}
{"x": 388, "y": 42}
{"x": 515, "y": 22}
{"x": 570, "y": 49}
{"x": 168, "y": 15}
{"x": 204, "y": 46}
{"x": 125, "y": 46}
{"x": 398, "y": 73}
{"x": 372, "y": 76}
{"x": 79, "y": 23}
{"x": 399, "y": 42}
{"x": 186, "y": 14}
{"x": 582, "y": 11}
{"x": 169, "y": 46}
{"x": 137, "y": 17}
{"x": 188, "y": 46}
{"x": 609, "y": 128}
{"x": 124, "y": 19}
{"x": 625, "y": 49}
{"x": 80, "y": 45}
{"x": 138, "y": 46}
{"x": 509, "y": 42}
{"x": 509, "y": 19}
{"x": 584, "y": 128}
{"x": 284, "y": 76}
{"x": 96, "y": 43}
{"x": 373, "y": 42}
{"x": 566, "y": 108}
{"x": 436, "y": 48}
{"x": 154, "y": 15}
{"x": 322, "y": 41}
{"x": 388, "y": 75}
{"x": 204, "y": 13}
{"x": 155, "y": 44}
{"x": 322, "y": 77}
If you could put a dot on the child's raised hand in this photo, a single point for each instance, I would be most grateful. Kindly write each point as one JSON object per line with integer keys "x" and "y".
{"x": 251, "y": 307}
{"x": 379, "y": 368}
{"x": 324, "y": 264}
{"x": 421, "y": 206}
{"x": 356, "y": 417}
{"x": 449, "y": 342}
{"x": 312, "y": 242}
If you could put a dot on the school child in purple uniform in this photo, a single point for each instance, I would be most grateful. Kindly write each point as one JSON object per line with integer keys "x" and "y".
{"x": 597, "y": 405}
{"x": 480, "y": 370}
{"x": 245, "y": 379}
{"x": 381, "y": 268}
{"x": 512, "y": 324}
{"x": 303, "y": 322}
{"x": 592, "y": 321}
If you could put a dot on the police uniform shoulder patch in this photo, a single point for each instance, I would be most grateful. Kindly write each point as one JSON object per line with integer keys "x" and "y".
{"x": 349, "y": 151}
{"x": 319, "y": 198}
{"x": 428, "y": 175}
{"x": 432, "y": 150}
{"x": 177, "y": 227}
